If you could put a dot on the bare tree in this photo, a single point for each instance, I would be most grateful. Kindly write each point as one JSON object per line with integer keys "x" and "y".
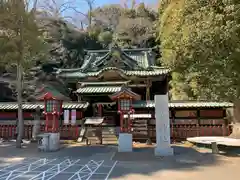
{"x": 62, "y": 9}
{"x": 90, "y": 6}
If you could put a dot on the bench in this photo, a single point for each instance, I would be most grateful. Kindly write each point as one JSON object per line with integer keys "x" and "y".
{"x": 214, "y": 141}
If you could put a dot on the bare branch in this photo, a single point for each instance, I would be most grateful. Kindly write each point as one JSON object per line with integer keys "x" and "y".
{"x": 60, "y": 9}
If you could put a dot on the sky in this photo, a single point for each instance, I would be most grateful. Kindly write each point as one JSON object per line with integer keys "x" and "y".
{"x": 83, "y": 5}
{"x": 102, "y": 2}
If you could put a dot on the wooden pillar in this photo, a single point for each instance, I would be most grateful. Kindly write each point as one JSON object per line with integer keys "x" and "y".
{"x": 172, "y": 121}
{"x": 149, "y": 141}
{"x": 129, "y": 117}
{"x": 148, "y": 86}
{"x": 79, "y": 98}
{"x": 198, "y": 122}
{"x": 225, "y": 124}
{"x": 100, "y": 110}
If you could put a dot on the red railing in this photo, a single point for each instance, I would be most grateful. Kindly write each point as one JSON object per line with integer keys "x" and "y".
{"x": 178, "y": 132}
{"x": 66, "y": 131}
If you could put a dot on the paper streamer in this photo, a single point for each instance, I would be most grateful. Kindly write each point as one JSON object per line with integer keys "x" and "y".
{"x": 66, "y": 116}
{"x": 73, "y": 117}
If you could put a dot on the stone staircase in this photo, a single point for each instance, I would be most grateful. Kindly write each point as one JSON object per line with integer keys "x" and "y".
{"x": 93, "y": 135}
{"x": 140, "y": 130}
{"x": 109, "y": 135}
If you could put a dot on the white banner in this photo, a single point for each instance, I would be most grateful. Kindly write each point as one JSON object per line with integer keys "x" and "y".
{"x": 73, "y": 116}
{"x": 66, "y": 116}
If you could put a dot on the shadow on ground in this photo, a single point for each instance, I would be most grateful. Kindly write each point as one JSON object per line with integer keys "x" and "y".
{"x": 141, "y": 161}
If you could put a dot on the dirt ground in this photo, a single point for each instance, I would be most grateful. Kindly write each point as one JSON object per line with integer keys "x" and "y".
{"x": 188, "y": 163}
{"x": 225, "y": 168}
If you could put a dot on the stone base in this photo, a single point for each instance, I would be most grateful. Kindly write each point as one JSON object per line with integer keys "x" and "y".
{"x": 54, "y": 141}
{"x": 125, "y": 142}
{"x": 163, "y": 151}
{"x": 49, "y": 142}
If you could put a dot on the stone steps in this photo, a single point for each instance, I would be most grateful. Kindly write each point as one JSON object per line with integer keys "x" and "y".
{"x": 109, "y": 136}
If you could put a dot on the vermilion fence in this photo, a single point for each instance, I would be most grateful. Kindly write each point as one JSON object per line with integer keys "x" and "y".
{"x": 66, "y": 131}
{"x": 182, "y": 131}
{"x": 178, "y": 132}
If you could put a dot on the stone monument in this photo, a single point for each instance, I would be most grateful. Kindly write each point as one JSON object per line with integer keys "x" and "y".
{"x": 163, "y": 147}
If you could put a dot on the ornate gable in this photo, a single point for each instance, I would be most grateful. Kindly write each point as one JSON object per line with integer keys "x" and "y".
{"x": 125, "y": 93}
{"x": 115, "y": 63}
{"x": 115, "y": 57}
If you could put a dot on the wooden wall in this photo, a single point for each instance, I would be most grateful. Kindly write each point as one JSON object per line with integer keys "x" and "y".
{"x": 186, "y": 122}
{"x": 11, "y": 116}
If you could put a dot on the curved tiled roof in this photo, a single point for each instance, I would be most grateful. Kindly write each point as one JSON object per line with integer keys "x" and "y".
{"x": 32, "y": 106}
{"x": 98, "y": 89}
{"x": 186, "y": 104}
{"x": 131, "y": 62}
{"x": 142, "y": 73}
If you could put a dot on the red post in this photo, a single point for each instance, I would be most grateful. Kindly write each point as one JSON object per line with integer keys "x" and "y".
{"x": 81, "y": 115}
{"x": 121, "y": 122}
{"x": 54, "y": 123}
{"x": 76, "y": 130}
{"x": 100, "y": 110}
{"x": 46, "y": 123}
{"x": 10, "y": 128}
{"x": 129, "y": 123}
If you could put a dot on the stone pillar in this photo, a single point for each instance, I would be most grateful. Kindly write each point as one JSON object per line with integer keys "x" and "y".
{"x": 163, "y": 147}
{"x": 125, "y": 142}
{"x": 36, "y": 128}
{"x": 54, "y": 141}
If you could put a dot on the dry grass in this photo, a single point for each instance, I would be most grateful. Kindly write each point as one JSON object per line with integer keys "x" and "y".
{"x": 142, "y": 145}
{"x": 69, "y": 142}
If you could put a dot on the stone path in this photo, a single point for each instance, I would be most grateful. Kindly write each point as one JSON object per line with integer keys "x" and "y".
{"x": 58, "y": 169}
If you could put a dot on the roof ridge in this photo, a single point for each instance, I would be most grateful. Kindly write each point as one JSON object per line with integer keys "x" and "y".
{"x": 123, "y": 49}
{"x": 42, "y": 102}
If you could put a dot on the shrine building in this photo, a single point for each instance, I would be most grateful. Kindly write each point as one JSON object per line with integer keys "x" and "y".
{"x": 116, "y": 88}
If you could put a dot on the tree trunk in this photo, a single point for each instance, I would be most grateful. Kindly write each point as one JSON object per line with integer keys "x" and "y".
{"x": 236, "y": 121}
{"x": 19, "y": 101}
{"x": 19, "y": 80}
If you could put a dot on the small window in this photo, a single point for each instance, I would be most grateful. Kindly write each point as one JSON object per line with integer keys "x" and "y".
{"x": 125, "y": 104}
{"x": 49, "y": 106}
{"x": 53, "y": 105}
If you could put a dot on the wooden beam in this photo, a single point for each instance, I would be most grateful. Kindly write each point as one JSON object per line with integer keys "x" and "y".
{"x": 148, "y": 86}
{"x": 137, "y": 85}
